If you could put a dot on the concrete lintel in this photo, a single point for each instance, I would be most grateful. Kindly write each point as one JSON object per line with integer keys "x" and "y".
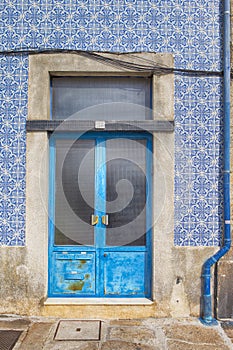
{"x": 43, "y": 66}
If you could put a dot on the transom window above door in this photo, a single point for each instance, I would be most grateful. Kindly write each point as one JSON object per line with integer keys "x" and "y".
{"x": 101, "y": 98}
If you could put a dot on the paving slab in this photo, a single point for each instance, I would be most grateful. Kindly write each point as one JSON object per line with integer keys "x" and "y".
{"x": 123, "y": 345}
{"x": 228, "y": 329}
{"x": 177, "y": 345}
{"x": 126, "y": 322}
{"x": 19, "y": 323}
{"x": 71, "y": 345}
{"x": 194, "y": 334}
{"x": 36, "y": 336}
{"x": 145, "y": 334}
{"x": 136, "y": 334}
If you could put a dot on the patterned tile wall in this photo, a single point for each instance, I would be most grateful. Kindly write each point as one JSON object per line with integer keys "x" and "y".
{"x": 13, "y": 112}
{"x": 190, "y": 29}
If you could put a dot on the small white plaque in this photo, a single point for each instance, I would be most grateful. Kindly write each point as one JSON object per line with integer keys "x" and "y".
{"x": 99, "y": 124}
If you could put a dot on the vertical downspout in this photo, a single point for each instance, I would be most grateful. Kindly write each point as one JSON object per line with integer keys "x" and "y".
{"x": 206, "y": 299}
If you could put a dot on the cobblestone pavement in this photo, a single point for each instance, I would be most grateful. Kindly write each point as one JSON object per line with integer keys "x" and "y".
{"x": 145, "y": 334}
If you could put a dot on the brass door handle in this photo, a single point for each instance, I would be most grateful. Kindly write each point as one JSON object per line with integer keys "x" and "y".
{"x": 105, "y": 220}
{"x": 94, "y": 219}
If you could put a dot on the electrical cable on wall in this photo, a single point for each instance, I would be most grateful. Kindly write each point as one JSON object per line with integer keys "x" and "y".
{"x": 148, "y": 66}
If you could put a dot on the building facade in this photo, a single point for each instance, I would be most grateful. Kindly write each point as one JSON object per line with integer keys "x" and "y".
{"x": 112, "y": 132}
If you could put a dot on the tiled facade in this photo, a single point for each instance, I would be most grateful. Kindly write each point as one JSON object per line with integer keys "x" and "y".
{"x": 191, "y": 30}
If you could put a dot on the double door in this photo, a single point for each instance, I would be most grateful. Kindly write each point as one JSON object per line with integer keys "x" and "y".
{"x": 100, "y": 215}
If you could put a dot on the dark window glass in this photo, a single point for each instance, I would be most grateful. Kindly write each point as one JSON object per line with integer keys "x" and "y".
{"x": 101, "y": 98}
{"x": 126, "y": 192}
{"x": 74, "y": 192}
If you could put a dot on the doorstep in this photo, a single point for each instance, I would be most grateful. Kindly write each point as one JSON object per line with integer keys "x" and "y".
{"x": 99, "y": 308}
{"x": 98, "y": 301}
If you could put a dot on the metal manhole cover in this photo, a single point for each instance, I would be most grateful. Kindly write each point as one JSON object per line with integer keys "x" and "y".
{"x": 8, "y": 338}
{"x": 78, "y": 330}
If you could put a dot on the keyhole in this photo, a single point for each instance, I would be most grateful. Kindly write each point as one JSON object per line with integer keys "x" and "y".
{"x": 78, "y": 329}
{"x": 105, "y": 255}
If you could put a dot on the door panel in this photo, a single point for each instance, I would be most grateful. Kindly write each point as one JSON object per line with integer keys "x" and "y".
{"x": 124, "y": 274}
{"x": 74, "y": 273}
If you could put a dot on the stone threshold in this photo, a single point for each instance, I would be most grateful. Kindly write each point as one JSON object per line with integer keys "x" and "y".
{"x": 98, "y": 301}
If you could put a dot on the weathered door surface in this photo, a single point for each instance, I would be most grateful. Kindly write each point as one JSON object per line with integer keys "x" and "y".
{"x": 100, "y": 220}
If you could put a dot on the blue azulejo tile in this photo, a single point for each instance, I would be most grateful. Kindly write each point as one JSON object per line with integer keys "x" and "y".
{"x": 107, "y": 3}
{"x": 154, "y": 41}
{"x": 10, "y": 17}
{"x": 178, "y": 17}
{"x": 129, "y": 40}
{"x": 177, "y": 40}
{"x": 202, "y": 16}
{"x": 106, "y": 17}
{"x": 205, "y": 113}
{"x": 182, "y": 90}
{"x": 3, "y": 220}
{"x": 106, "y": 39}
{"x": 15, "y": 236}
{"x": 182, "y": 188}
{"x": 18, "y": 175}
{"x": 7, "y": 189}
{"x": 34, "y": 38}
{"x": 57, "y": 39}
{"x": 18, "y": 201}
{"x": 3, "y": 235}
{"x": 16, "y": 219}
{"x": 207, "y": 88}
{"x": 202, "y": 209}
{"x": 81, "y": 39}
{"x": 186, "y": 235}
{"x": 153, "y": 16}
{"x": 207, "y": 137}
{"x": 202, "y": 233}
{"x": 199, "y": 89}
{"x": 212, "y": 235}
{"x": 205, "y": 185}
{"x": 5, "y": 202}
{"x": 129, "y": 18}
{"x": 184, "y": 211}
{"x": 16, "y": 240}
{"x": 183, "y": 162}
{"x": 81, "y": 17}
{"x": 184, "y": 114}
{"x": 198, "y": 136}
{"x": 204, "y": 160}
{"x": 33, "y": 18}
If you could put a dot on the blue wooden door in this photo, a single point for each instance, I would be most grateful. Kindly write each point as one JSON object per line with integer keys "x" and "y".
{"x": 100, "y": 215}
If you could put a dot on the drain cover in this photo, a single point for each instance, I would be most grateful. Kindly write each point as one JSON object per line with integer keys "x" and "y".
{"x": 78, "y": 330}
{"x": 8, "y": 338}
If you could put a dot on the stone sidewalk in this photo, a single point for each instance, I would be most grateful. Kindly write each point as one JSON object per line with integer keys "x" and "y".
{"x": 145, "y": 334}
